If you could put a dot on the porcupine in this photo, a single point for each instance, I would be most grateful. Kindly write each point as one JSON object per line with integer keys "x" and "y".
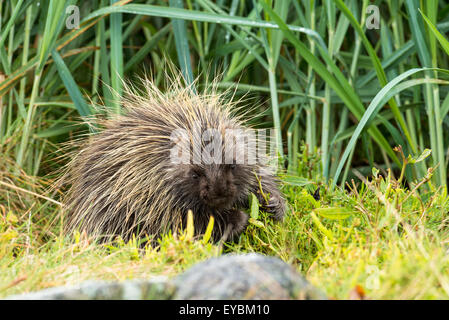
{"x": 123, "y": 180}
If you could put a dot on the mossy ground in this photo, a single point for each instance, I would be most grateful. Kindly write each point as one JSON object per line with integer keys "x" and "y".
{"x": 376, "y": 239}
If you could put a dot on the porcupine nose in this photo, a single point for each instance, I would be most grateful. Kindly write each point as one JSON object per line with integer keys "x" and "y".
{"x": 220, "y": 189}
{"x": 217, "y": 188}
{"x": 219, "y": 192}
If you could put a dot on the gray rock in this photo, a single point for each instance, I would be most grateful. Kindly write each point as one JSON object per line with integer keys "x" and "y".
{"x": 250, "y": 276}
{"x": 153, "y": 289}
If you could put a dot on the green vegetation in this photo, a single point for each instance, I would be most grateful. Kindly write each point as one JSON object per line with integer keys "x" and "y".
{"x": 379, "y": 237}
{"x": 366, "y": 104}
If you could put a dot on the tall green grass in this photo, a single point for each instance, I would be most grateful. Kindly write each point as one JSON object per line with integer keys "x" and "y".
{"x": 317, "y": 74}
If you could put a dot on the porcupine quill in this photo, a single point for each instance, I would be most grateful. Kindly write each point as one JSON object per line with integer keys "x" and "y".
{"x": 123, "y": 180}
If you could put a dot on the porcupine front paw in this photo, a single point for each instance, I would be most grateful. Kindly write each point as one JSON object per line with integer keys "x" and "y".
{"x": 237, "y": 222}
{"x": 276, "y": 206}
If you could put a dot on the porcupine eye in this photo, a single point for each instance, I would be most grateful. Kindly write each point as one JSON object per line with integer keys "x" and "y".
{"x": 195, "y": 174}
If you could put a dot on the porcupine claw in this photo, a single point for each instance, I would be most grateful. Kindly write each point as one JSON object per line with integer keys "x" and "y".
{"x": 275, "y": 206}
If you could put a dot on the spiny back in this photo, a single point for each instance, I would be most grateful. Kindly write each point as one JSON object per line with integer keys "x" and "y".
{"x": 123, "y": 180}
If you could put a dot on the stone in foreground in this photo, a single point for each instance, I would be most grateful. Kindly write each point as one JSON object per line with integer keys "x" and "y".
{"x": 154, "y": 289}
{"x": 250, "y": 276}
{"x": 231, "y": 277}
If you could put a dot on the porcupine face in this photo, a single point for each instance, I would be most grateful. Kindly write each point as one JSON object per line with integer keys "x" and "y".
{"x": 219, "y": 181}
{"x": 216, "y": 186}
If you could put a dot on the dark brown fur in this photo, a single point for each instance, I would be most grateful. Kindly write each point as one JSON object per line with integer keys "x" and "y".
{"x": 122, "y": 181}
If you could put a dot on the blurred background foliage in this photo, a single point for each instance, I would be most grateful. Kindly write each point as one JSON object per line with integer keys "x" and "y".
{"x": 312, "y": 68}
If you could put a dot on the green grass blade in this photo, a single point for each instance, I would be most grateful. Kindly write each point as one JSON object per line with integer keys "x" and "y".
{"x": 378, "y": 67}
{"x": 116, "y": 56}
{"x": 12, "y": 19}
{"x": 71, "y": 85}
{"x": 384, "y": 95}
{"x": 142, "y": 53}
{"x": 346, "y": 93}
{"x": 177, "y": 13}
{"x": 182, "y": 45}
